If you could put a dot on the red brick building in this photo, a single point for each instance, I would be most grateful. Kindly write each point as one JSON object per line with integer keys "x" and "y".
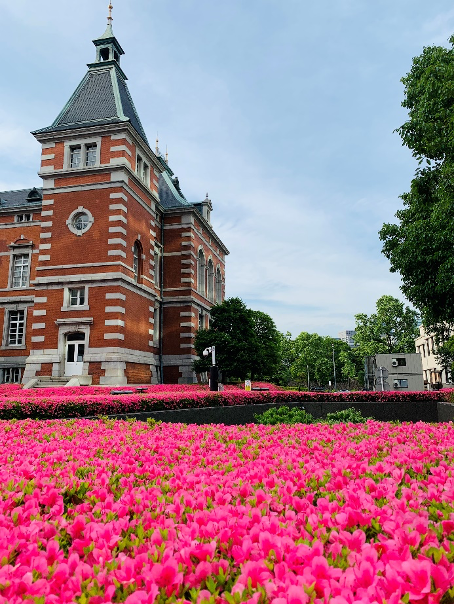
{"x": 107, "y": 271}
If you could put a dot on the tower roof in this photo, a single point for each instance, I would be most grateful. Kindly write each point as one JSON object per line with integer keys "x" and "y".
{"x": 102, "y": 97}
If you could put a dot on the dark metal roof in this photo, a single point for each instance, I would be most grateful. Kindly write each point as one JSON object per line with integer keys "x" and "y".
{"x": 12, "y": 199}
{"x": 101, "y": 98}
{"x": 93, "y": 100}
{"x": 169, "y": 196}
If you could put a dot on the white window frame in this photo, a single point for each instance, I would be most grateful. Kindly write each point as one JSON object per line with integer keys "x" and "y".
{"x": 201, "y": 272}
{"x": 7, "y": 327}
{"x": 157, "y": 266}
{"x": 83, "y": 144}
{"x": 70, "y": 221}
{"x": 11, "y": 375}
{"x": 156, "y": 326}
{"x": 21, "y": 218}
{"x": 17, "y": 251}
{"x": 210, "y": 276}
{"x": 67, "y": 298}
{"x": 218, "y": 284}
{"x": 143, "y": 170}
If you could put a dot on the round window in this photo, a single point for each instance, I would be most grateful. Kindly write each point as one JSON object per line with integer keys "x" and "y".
{"x": 81, "y": 221}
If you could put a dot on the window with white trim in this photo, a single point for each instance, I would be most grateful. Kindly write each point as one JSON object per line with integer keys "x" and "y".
{"x": 90, "y": 155}
{"x": 23, "y": 217}
{"x": 137, "y": 261}
{"x": 16, "y": 328}
{"x": 201, "y": 320}
{"x": 218, "y": 285}
{"x": 75, "y": 156}
{"x": 11, "y": 375}
{"x": 201, "y": 267}
{"x": 156, "y": 326}
{"x": 76, "y": 296}
{"x": 82, "y": 154}
{"x": 210, "y": 278}
{"x": 20, "y": 272}
{"x": 157, "y": 267}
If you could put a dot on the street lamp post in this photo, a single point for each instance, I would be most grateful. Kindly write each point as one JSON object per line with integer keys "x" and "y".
{"x": 214, "y": 373}
{"x": 334, "y": 367}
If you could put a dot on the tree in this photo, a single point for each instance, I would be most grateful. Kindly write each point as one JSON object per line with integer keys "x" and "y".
{"x": 266, "y": 353}
{"x": 420, "y": 246}
{"x": 247, "y": 341}
{"x": 315, "y": 352}
{"x": 282, "y": 373}
{"x": 392, "y": 329}
{"x": 445, "y": 355}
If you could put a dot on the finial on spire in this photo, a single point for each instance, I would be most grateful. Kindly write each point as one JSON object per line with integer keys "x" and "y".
{"x": 167, "y": 156}
{"x": 110, "y": 18}
{"x": 157, "y": 143}
{"x": 206, "y": 196}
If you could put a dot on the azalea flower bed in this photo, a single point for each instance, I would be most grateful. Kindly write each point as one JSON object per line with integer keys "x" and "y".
{"x": 113, "y": 511}
{"x": 88, "y": 401}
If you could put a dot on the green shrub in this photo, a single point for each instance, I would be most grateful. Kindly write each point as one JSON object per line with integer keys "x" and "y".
{"x": 298, "y": 415}
{"x": 284, "y": 415}
{"x": 346, "y": 416}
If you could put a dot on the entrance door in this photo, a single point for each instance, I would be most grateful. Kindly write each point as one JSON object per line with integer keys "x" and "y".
{"x": 75, "y": 349}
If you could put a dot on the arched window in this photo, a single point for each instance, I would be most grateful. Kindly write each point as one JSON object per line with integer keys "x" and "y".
{"x": 218, "y": 285}
{"x": 210, "y": 277}
{"x": 201, "y": 272}
{"x": 137, "y": 261}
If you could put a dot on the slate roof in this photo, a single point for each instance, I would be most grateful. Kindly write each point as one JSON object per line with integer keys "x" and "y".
{"x": 101, "y": 98}
{"x": 168, "y": 194}
{"x": 12, "y": 199}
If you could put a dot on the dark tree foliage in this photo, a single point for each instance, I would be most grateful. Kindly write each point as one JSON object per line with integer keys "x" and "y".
{"x": 247, "y": 341}
{"x": 392, "y": 329}
{"x": 420, "y": 246}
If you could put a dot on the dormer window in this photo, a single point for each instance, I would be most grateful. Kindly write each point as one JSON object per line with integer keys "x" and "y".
{"x": 22, "y": 217}
{"x": 139, "y": 166}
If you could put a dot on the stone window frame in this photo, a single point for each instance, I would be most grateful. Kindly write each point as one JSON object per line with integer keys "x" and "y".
{"x": 67, "y": 298}
{"x": 21, "y": 218}
{"x": 23, "y": 249}
{"x": 218, "y": 284}
{"x": 157, "y": 257}
{"x": 12, "y": 307}
{"x": 83, "y": 143}
{"x": 74, "y": 213}
{"x": 210, "y": 277}
{"x": 13, "y": 371}
{"x": 201, "y": 272}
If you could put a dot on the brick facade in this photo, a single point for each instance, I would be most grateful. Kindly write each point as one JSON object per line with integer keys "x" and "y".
{"x": 108, "y": 270}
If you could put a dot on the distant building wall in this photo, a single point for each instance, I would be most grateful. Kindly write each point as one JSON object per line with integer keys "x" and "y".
{"x": 433, "y": 372}
{"x": 404, "y": 372}
{"x": 347, "y": 336}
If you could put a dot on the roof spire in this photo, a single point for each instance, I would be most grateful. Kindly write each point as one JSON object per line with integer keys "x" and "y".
{"x": 110, "y": 18}
{"x": 167, "y": 156}
{"x": 157, "y": 143}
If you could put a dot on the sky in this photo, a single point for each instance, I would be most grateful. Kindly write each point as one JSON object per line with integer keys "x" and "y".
{"x": 284, "y": 111}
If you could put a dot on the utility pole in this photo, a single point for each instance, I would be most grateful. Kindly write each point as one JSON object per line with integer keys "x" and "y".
{"x": 334, "y": 367}
{"x": 308, "y": 381}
